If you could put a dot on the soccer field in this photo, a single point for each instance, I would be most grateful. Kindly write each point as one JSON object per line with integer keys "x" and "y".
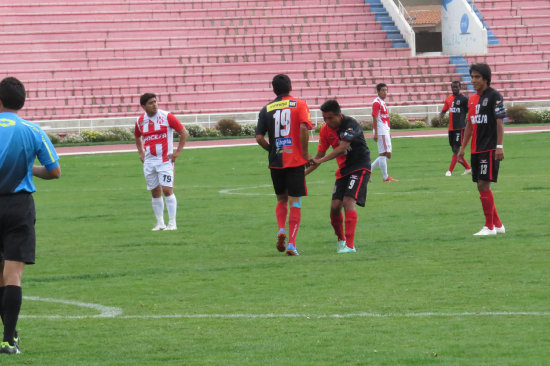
{"x": 421, "y": 290}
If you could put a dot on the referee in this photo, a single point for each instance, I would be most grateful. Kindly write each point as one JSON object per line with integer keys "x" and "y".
{"x": 21, "y": 142}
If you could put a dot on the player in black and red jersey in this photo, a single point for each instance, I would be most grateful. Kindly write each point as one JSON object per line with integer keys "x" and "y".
{"x": 287, "y": 122}
{"x": 350, "y": 149}
{"x": 457, "y": 105}
{"x": 485, "y": 127}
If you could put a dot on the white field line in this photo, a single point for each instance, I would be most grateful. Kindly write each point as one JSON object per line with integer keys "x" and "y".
{"x": 104, "y": 311}
{"x": 115, "y": 312}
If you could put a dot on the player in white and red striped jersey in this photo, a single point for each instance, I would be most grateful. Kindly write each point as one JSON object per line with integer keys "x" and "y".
{"x": 381, "y": 131}
{"x": 154, "y": 134}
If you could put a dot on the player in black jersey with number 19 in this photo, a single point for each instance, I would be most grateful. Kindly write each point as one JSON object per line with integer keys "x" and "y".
{"x": 287, "y": 122}
{"x": 485, "y": 127}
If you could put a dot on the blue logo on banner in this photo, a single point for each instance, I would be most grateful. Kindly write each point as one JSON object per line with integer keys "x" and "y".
{"x": 445, "y": 3}
{"x": 464, "y": 24}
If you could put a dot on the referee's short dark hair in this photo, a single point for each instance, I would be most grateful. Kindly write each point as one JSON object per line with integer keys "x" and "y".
{"x": 145, "y": 98}
{"x": 12, "y": 93}
{"x": 380, "y": 86}
{"x": 281, "y": 84}
{"x": 483, "y": 69}
{"x": 331, "y": 105}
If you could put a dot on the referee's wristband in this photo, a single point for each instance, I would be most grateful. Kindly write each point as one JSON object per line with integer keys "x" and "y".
{"x": 500, "y": 147}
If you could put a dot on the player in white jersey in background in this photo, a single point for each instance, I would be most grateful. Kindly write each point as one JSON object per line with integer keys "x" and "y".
{"x": 154, "y": 134}
{"x": 381, "y": 131}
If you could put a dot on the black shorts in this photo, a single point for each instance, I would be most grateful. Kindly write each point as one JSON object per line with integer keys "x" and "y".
{"x": 352, "y": 185}
{"x": 291, "y": 181}
{"x": 17, "y": 236}
{"x": 455, "y": 138}
{"x": 485, "y": 166}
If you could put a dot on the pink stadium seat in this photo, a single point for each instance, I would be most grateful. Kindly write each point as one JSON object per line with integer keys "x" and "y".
{"x": 82, "y": 59}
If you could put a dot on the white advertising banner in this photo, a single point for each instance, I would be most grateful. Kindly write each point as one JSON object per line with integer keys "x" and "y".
{"x": 462, "y": 32}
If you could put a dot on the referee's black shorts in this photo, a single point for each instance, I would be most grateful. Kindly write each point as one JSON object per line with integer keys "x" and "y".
{"x": 290, "y": 180}
{"x": 17, "y": 236}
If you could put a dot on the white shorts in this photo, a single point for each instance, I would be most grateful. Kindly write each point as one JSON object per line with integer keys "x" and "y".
{"x": 158, "y": 174}
{"x": 384, "y": 144}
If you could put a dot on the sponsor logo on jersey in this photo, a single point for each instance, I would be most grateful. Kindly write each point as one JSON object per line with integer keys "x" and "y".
{"x": 457, "y": 102}
{"x": 292, "y": 104}
{"x": 154, "y": 137}
{"x": 454, "y": 110}
{"x": 279, "y": 105}
{"x": 4, "y": 122}
{"x": 282, "y": 142}
{"x": 484, "y": 103}
{"x": 479, "y": 119}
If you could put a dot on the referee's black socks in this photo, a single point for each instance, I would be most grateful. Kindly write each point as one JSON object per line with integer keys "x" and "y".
{"x": 11, "y": 305}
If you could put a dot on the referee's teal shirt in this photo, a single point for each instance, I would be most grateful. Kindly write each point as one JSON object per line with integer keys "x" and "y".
{"x": 21, "y": 142}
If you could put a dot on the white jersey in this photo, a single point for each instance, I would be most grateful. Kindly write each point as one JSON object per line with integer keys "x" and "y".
{"x": 157, "y": 133}
{"x": 381, "y": 116}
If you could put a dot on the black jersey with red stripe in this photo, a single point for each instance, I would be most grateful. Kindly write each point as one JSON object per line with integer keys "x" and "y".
{"x": 281, "y": 120}
{"x": 483, "y": 112}
{"x": 358, "y": 154}
{"x": 458, "y": 108}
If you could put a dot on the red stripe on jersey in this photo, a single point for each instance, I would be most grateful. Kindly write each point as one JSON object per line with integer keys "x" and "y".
{"x": 472, "y": 106}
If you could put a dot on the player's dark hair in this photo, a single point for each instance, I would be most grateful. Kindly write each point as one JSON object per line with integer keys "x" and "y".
{"x": 281, "y": 84}
{"x": 331, "y": 105}
{"x": 483, "y": 69}
{"x": 380, "y": 86}
{"x": 12, "y": 93}
{"x": 145, "y": 98}
{"x": 456, "y": 82}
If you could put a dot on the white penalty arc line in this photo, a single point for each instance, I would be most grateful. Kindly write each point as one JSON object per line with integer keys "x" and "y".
{"x": 104, "y": 311}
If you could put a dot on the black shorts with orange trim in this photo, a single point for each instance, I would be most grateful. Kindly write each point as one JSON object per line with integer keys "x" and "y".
{"x": 455, "y": 137}
{"x": 291, "y": 181}
{"x": 352, "y": 185}
{"x": 485, "y": 166}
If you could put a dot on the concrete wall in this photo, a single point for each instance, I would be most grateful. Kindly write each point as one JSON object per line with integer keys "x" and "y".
{"x": 461, "y": 30}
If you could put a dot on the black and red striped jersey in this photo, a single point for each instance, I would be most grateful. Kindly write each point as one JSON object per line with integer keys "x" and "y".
{"x": 281, "y": 120}
{"x": 458, "y": 108}
{"x": 483, "y": 112}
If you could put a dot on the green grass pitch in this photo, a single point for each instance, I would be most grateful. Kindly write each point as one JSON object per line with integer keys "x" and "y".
{"x": 421, "y": 290}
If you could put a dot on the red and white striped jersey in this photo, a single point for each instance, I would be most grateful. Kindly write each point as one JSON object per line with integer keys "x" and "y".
{"x": 381, "y": 116}
{"x": 158, "y": 134}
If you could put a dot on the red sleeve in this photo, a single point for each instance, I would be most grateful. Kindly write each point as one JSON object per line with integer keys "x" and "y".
{"x": 375, "y": 109}
{"x": 174, "y": 122}
{"x": 137, "y": 131}
{"x": 323, "y": 140}
{"x": 446, "y": 105}
{"x": 305, "y": 116}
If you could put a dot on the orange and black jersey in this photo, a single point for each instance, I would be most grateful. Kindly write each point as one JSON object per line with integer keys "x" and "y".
{"x": 458, "y": 108}
{"x": 358, "y": 154}
{"x": 281, "y": 120}
{"x": 483, "y": 112}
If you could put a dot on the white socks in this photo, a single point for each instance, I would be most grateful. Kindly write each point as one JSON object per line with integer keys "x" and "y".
{"x": 171, "y": 207}
{"x": 158, "y": 209}
{"x": 384, "y": 166}
{"x": 382, "y": 162}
